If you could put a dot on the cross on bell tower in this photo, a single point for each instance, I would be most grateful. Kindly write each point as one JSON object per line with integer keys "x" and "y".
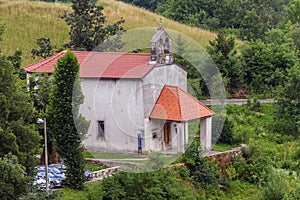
{"x": 161, "y": 47}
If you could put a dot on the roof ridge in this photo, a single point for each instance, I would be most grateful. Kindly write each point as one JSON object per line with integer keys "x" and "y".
{"x": 199, "y": 102}
{"x": 46, "y": 60}
{"x": 179, "y": 96}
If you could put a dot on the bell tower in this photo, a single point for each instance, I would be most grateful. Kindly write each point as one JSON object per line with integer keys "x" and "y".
{"x": 161, "y": 47}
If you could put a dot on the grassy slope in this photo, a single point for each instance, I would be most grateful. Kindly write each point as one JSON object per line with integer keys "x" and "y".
{"x": 25, "y": 21}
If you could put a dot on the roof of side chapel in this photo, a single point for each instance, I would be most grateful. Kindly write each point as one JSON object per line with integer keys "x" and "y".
{"x": 175, "y": 104}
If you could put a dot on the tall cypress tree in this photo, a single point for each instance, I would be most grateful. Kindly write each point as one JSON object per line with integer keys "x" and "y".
{"x": 62, "y": 116}
{"x": 87, "y": 25}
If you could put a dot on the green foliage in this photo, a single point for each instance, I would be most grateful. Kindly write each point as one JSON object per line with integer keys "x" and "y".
{"x": 16, "y": 61}
{"x": 13, "y": 183}
{"x": 222, "y": 51}
{"x": 155, "y": 161}
{"x": 252, "y": 165}
{"x": 94, "y": 168}
{"x": 274, "y": 189}
{"x": 161, "y": 184}
{"x": 202, "y": 171}
{"x": 17, "y": 118}
{"x": 148, "y": 4}
{"x": 293, "y": 12}
{"x": 265, "y": 66}
{"x": 87, "y": 28}
{"x": 251, "y": 26}
{"x": 288, "y": 105}
{"x": 39, "y": 89}
{"x": 65, "y": 99}
{"x": 251, "y": 18}
{"x": 226, "y": 136}
{"x": 45, "y": 48}
{"x": 52, "y": 195}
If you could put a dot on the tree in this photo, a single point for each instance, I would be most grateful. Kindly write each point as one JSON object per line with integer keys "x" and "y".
{"x": 222, "y": 51}
{"x": 265, "y": 65}
{"x": 17, "y": 118}
{"x": 45, "y": 48}
{"x": 13, "y": 183}
{"x": 288, "y": 105}
{"x": 87, "y": 28}
{"x": 39, "y": 88}
{"x": 293, "y": 12}
{"x": 203, "y": 172}
{"x": 62, "y": 115}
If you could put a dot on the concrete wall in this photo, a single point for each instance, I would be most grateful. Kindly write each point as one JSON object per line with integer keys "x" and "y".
{"x": 205, "y": 133}
{"x": 153, "y": 127}
{"x": 155, "y": 81}
{"x": 125, "y": 105}
{"x": 152, "y": 86}
{"x": 118, "y": 103}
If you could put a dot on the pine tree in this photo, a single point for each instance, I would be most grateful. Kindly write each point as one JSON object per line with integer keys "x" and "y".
{"x": 222, "y": 51}
{"x": 62, "y": 115}
{"x": 87, "y": 26}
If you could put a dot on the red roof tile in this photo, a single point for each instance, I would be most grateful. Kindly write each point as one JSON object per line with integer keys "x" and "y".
{"x": 175, "y": 104}
{"x": 100, "y": 64}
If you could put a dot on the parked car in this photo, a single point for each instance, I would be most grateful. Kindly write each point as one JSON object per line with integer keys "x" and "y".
{"x": 54, "y": 181}
{"x": 88, "y": 174}
{"x": 59, "y": 166}
{"x": 51, "y": 169}
{"x": 63, "y": 168}
{"x": 38, "y": 183}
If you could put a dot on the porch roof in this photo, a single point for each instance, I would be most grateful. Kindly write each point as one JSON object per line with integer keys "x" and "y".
{"x": 174, "y": 104}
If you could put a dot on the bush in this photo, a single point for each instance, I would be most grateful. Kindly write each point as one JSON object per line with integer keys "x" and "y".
{"x": 52, "y": 195}
{"x": 160, "y": 184}
{"x": 252, "y": 165}
{"x": 226, "y": 136}
{"x": 203, "y": 172}
{"x": 274, "y": 189}
{"x": 13, "y": 183}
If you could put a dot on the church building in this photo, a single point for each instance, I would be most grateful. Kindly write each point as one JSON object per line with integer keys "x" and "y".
{"x": 135, "y": 102}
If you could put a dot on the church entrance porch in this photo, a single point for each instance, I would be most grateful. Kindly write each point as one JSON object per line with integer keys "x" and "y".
{"x": 173, "y": 109}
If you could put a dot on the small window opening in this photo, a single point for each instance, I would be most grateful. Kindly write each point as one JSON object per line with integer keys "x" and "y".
{"x": 101, "y": 130}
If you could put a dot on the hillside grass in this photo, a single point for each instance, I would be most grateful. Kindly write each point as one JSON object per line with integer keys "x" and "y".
{"x": 25, "y": 21}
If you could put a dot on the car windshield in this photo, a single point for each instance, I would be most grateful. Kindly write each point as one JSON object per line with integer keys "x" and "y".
{"x": 51, "y": 175}
{"x": 55, "y": 170}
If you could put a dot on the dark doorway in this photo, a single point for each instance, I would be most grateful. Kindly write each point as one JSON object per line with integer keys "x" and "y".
{"x": 167, "y": 135}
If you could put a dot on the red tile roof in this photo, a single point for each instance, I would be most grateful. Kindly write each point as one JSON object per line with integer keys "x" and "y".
{"x": 100, "y": 64}
{"x": 175, "y": 104}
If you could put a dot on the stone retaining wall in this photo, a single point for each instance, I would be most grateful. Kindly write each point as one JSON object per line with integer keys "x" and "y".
{"x": 224, "y": 159}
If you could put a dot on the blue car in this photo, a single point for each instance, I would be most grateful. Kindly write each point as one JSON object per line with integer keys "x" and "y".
{"x": 54, "y": 181}
{"x": 89, "y": 175}
{"x": 51, "y": 169}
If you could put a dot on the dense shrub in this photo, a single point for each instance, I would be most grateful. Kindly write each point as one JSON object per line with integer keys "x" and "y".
{"x": 203, "y": 172}
{"x": 274, "y": 189}
{"x": 252, "y": 165}
{"x": 13, "y": 183}
{"x": 226, "y": 136}
{"x": 161, "y": 184}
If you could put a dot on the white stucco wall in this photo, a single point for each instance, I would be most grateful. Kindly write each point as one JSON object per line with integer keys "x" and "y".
{"x": 125, "y": 105}
{"x": 155, "y": 81}
{"x": 117, "y": 103}
{"x": 152, "y": 86}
